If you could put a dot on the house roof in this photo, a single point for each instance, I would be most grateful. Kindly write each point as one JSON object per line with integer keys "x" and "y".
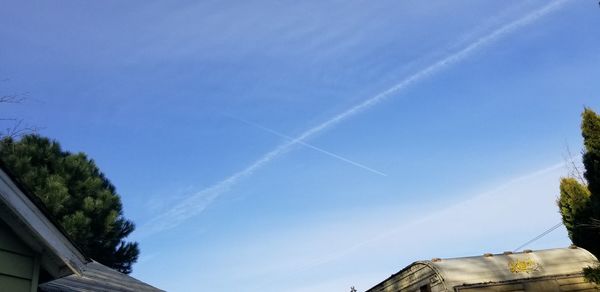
{"x": 28, "y": 220}
{"x": 60, "y": 257}
{"x": 97, "y": 277}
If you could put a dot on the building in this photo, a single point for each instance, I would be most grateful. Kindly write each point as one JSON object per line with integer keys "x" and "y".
{"x": 544, "y": 270}
{"x": 36, "y": 255}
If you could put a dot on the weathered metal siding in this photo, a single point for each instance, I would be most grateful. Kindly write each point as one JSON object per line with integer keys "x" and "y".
{"x": 551, "y": 284}
{"x": 19, "y": 266}
{"x": 575, "y": 284}
{"x": 411, "y": 279}
{"x": 544, "y": 270}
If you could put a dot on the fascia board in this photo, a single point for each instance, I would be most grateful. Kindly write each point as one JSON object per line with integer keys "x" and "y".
{"x": 40, "y": 226}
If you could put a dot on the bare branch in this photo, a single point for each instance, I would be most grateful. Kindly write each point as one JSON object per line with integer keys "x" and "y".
{"x": 13, "y": 98}
{"x": 592, "y": 224}
{"x": 595, "y": 223}
{"x": 575, "y": 169}
{"x": 18, "y": 129}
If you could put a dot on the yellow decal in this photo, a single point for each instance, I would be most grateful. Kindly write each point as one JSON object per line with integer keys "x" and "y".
{"x": 523, "y": 266}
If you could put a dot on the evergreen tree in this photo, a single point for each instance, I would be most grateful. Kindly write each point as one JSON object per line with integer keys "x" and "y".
{"x": 590, "y": 130}
{"x": 579, "y": 203}
{"x": 592, "y": 274}
{"x": 77, "y": 195}
{"x": 573, "y": 204}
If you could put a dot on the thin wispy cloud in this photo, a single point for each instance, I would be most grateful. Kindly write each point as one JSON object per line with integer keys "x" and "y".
{"x": 318, "y": 149}
{"x": 378, "y": 234}
{"x": 484, "y": 197}
{"x": 198, "y": 202}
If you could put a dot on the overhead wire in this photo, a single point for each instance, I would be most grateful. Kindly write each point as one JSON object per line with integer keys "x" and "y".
{"x": 538, "y": 237}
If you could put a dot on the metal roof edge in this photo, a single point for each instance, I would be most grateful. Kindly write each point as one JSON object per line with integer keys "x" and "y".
{"x": 33, "y": 215}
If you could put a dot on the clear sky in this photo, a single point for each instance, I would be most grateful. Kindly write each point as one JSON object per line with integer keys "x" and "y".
{"x": 312, "y": 145}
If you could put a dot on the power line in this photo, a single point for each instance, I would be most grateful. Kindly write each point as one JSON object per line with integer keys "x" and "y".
{"x": 539, "y": 236}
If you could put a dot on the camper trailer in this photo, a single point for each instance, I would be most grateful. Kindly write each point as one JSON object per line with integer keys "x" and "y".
{"x": 544, "y": 270}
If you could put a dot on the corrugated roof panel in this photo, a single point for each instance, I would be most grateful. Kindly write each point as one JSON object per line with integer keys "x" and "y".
{"x": 560, "y": 268}
{"x": 97, "y": 277}
{"x": 506, "y": 267}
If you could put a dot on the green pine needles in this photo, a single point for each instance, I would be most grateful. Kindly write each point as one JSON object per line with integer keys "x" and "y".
{"x": 579, "y": 201}
{"x": 77, "y": 195}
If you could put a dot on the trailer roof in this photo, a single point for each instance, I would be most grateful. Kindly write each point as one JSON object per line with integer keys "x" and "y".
{"x": 500, "y": 268}
{"x": 511, "y": 266}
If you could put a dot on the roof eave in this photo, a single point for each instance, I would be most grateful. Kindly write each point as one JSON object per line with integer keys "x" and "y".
{"x": 59, "y": 256}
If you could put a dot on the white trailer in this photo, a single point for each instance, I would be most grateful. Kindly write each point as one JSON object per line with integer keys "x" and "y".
{"x": 543, "y": 270}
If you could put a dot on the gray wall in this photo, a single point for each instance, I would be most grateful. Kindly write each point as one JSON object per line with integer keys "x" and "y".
{"x": 19, "y": 266}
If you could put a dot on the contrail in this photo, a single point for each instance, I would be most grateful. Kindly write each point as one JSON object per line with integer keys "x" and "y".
{"x": 196, "y": 203}
{"x": 309, "y": 146}
{"x": 383, "y": 236}
{"x": 341, "y": 253}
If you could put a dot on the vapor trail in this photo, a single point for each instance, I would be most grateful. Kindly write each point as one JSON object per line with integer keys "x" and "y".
{"x": 432, "y": 215}
{"x": 196, "y": 203}
{"x": 309, "y": 146}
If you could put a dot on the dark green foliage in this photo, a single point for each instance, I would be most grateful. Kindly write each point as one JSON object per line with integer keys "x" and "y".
{"x": 573, "y": 204}
{"x": 77, "y": 195}
{"x": 579, "y": 203}
{"x": 575, "y": 208}
{"x": 592, "y": 274}
{"x": 590, "y": 129}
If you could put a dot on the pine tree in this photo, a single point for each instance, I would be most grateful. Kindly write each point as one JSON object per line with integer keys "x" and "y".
{"x": 77, "y": 195}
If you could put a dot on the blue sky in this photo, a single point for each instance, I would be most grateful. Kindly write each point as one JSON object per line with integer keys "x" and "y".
{"x": 186, "y": 105}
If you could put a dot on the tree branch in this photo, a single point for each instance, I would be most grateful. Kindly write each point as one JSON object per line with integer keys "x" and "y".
{"x": 575, "y": 170}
